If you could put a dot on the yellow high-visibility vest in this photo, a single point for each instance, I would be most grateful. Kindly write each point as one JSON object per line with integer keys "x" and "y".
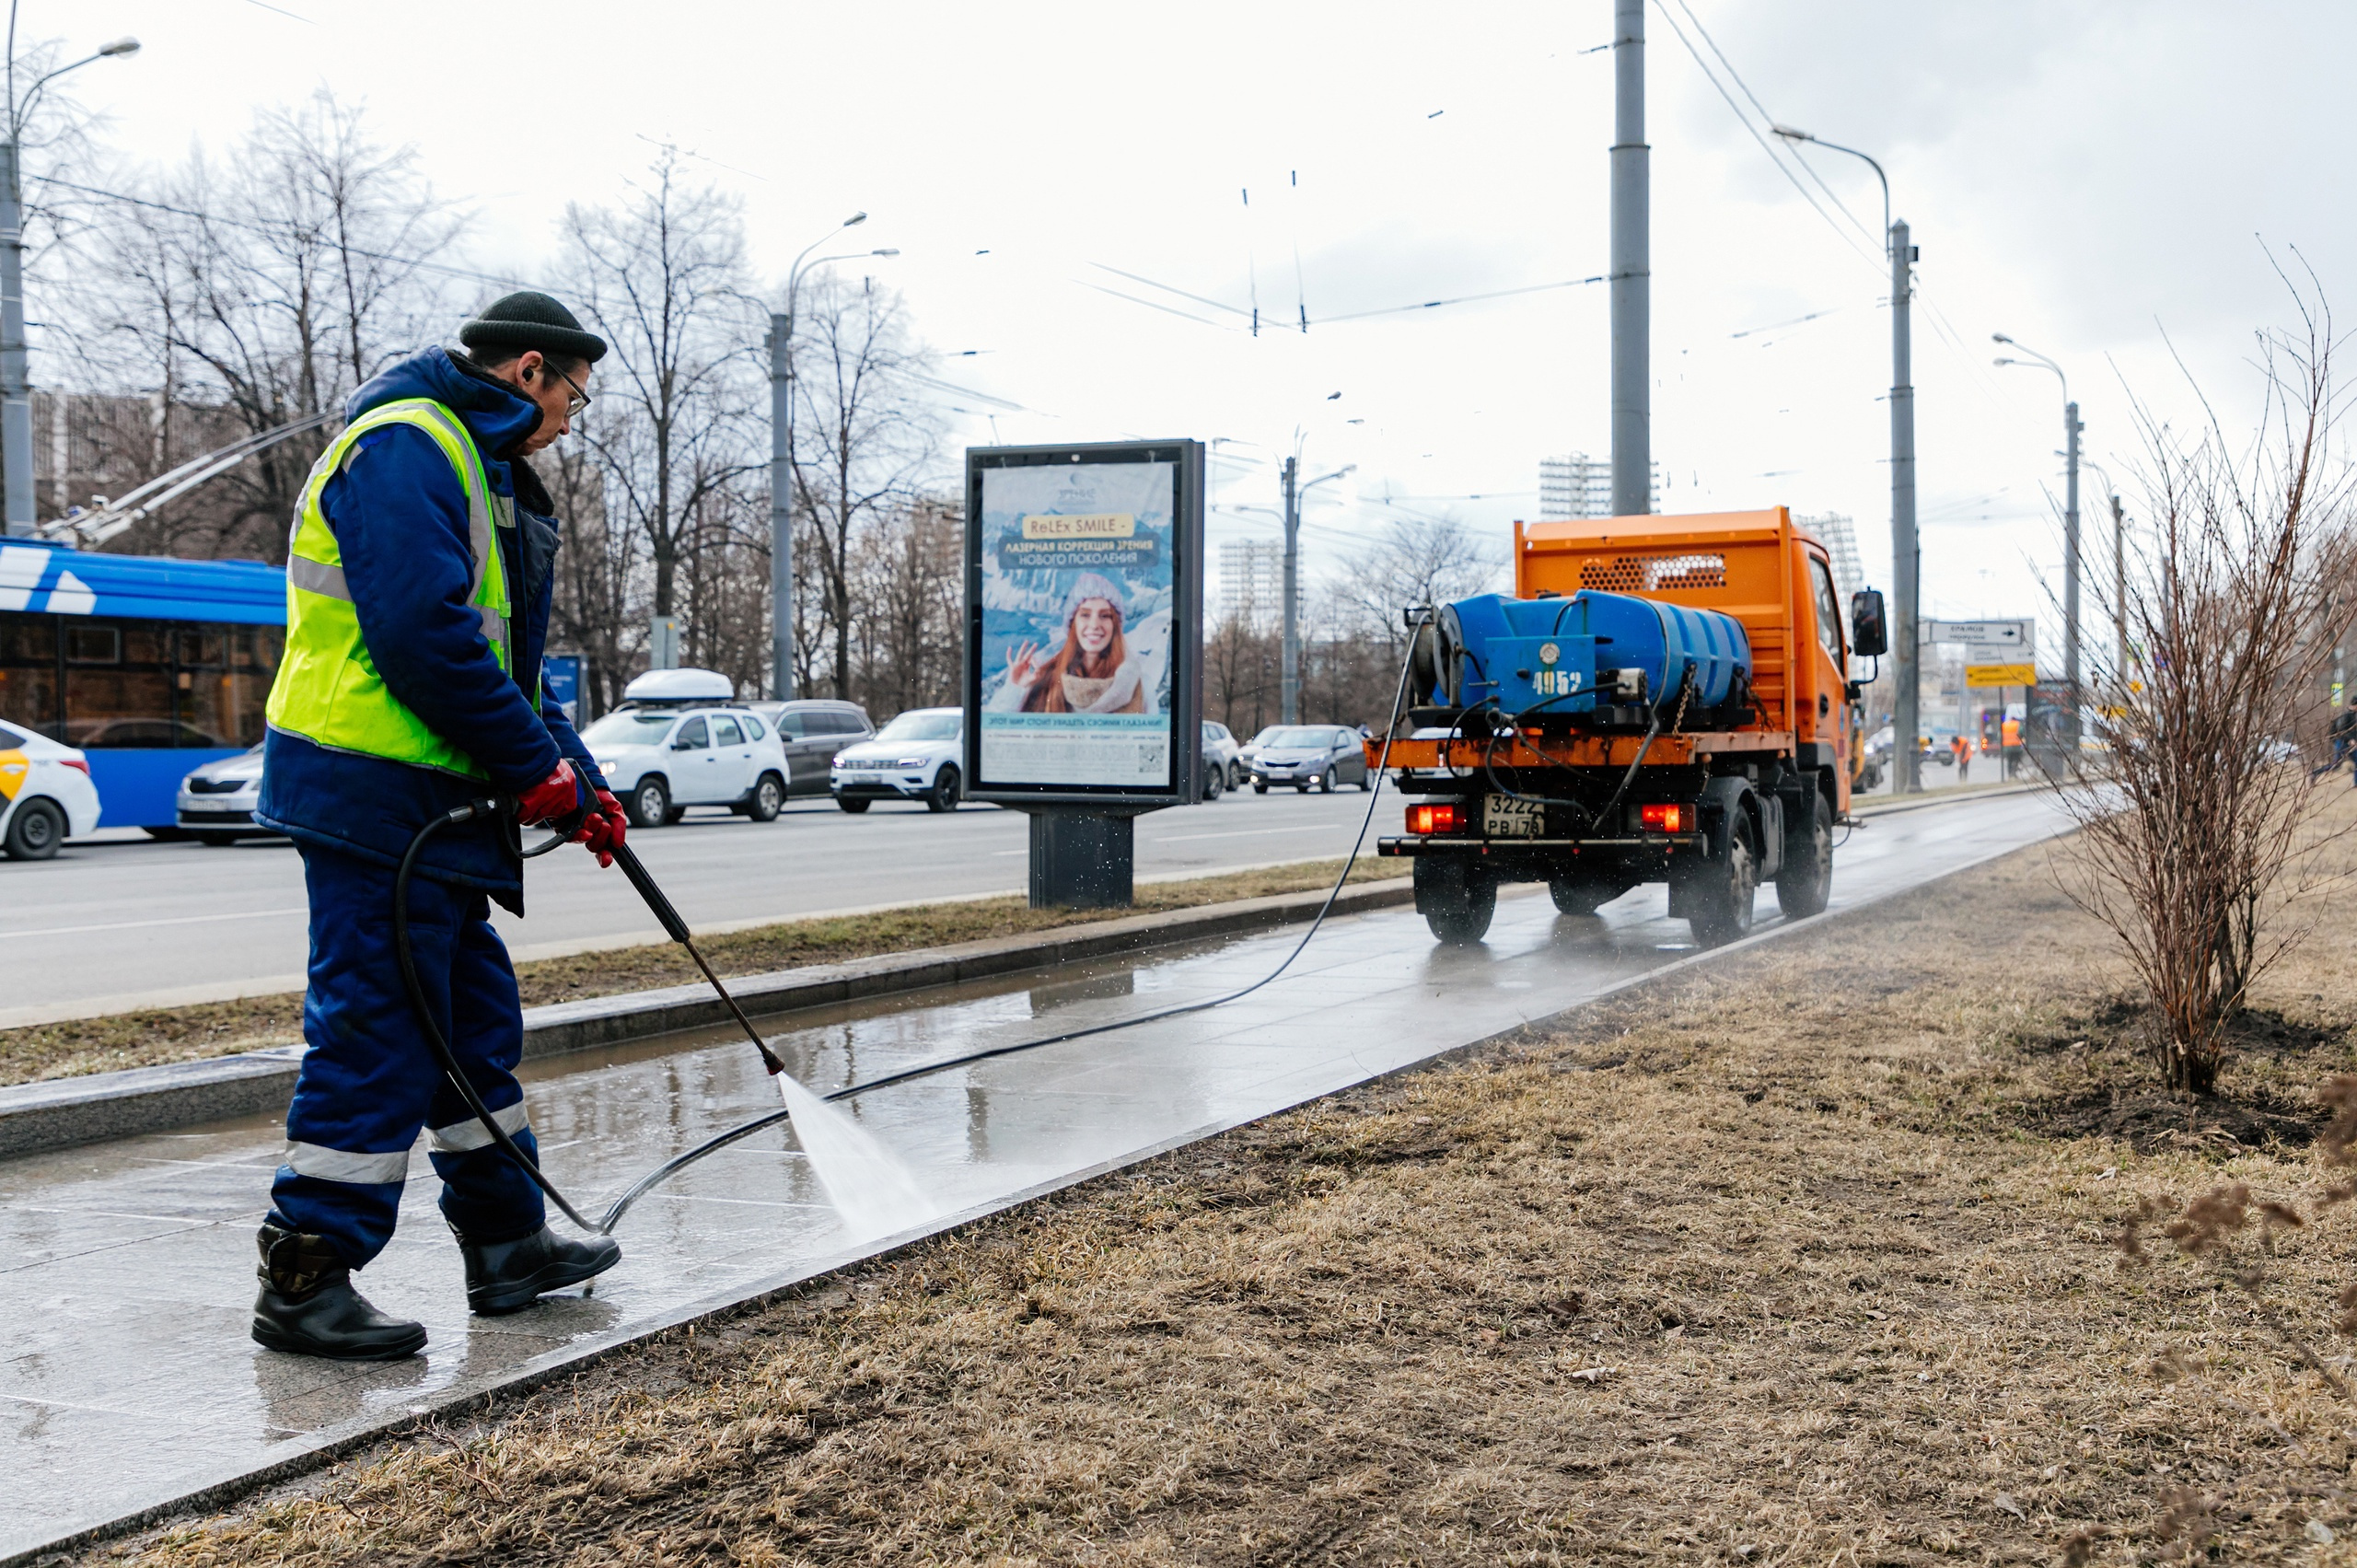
{"x": 327, "y": 689}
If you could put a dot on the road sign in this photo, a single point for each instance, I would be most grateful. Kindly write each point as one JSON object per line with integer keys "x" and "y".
{"x": 2000, "y": 675}
{"x": 1998, "y": 639}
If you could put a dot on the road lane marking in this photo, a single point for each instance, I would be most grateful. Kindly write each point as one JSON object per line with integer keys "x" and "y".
{"x": 143, "y": 924}
{"x": 1255, "y": 833}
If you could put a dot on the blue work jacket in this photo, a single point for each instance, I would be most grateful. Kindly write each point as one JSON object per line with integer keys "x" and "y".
{"x": 400, "y": 517}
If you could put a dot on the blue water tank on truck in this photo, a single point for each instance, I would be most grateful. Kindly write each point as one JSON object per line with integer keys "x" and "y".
{"x": 1660, "y": 700}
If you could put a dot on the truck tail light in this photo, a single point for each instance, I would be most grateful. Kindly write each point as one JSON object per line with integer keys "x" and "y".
{"x": 1432, "y": 818}
{"x": 1666, "y": 818}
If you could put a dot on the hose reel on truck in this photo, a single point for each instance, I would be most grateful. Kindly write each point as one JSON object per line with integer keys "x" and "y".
{"x": 1663, "y": 700}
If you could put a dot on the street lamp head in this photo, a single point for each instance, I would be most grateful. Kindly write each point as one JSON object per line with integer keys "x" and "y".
{"x": 120, "y": 46}
{"x": 1791, "y": 135}
{"x": 884, "y": 252}
{"x": 2001, "y": 359}
{"x": 854, "y": 220}
{"x": 1999, "y": 338}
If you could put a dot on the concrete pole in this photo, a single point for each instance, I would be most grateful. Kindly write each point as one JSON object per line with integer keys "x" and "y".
{"x": 2120, "y": 593}
{"x": 2071, "y": 560}
{"x": 782, "y": 508}
{"x": 1906, "y": 558}
{"x": 1289, "y": 689}
{"x": 16, "y": 389}
{"x": 1632, "y": 268}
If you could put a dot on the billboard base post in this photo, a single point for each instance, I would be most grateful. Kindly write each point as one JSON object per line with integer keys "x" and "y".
{"x": 1081, "y": 859}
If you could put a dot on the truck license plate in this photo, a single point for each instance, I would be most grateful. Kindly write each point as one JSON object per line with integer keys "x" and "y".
{"x": 1504, "y": 818}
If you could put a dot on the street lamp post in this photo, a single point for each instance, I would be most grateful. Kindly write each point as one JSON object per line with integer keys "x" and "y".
{"x": 2119, "y": 574}
{"x": 1289, "y": 689}
{"x": 2070, "y": 430}
{"x": 781, "y": 465}
{"x": 16, "y": 375}
{"x": 1906, "y": 555}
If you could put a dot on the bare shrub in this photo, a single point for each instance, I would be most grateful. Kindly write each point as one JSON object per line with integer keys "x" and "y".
{"x": 2197, "y": 831}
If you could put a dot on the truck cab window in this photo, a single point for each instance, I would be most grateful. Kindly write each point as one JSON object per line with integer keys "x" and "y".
{"x": 1829, "y": 610}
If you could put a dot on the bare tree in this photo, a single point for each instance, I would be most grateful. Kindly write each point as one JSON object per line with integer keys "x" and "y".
{"x": 662, "y": 277}
{"x": 2198, "y": 826}
{"x": 268, "y": 285}
{"x": 865, "y": 437}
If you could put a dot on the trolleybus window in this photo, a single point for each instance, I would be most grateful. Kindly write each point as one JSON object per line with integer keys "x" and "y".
{"x": 103, "y": 682}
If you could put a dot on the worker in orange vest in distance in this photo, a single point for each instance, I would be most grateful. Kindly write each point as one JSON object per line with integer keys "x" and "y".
{"x": 1961, "y": 749}
{"x": 2010, "y": 738}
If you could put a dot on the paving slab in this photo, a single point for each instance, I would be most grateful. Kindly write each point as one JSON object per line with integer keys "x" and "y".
{"x": 128, "y": 1385}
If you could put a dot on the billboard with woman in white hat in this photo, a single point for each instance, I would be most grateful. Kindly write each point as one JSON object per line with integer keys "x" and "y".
{"x": 1082, "y": 632}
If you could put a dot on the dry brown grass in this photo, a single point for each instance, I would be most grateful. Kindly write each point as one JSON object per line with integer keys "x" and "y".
{"x": 218, "y": 1029}
{"x": 1789, "y": 1260}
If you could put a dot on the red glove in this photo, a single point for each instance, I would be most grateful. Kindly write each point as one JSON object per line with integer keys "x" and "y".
{"x": 604, "y": 831}
{"x": 552, "y": 800}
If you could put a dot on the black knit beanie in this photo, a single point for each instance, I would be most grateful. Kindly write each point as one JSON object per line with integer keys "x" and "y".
{"x": 529, "y": 320}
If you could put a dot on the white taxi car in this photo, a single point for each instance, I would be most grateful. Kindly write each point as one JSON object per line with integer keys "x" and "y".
{"x": 46, "y": 795}
{"x": 680, "y": 740}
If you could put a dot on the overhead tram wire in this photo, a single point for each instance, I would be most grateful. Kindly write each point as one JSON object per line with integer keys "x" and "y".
{"x": 1736, "y": 76}
{"x": 280, "y": 230}
{"x": 1781, "y": 166}
{"x": 1942, "y": 327}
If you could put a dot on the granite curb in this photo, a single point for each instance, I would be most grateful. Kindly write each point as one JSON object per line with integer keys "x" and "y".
{"x": 56, "y": 1113}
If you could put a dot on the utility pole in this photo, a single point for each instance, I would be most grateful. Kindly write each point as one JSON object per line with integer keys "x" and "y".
{"x": 1632, "y": 268}
{"x": 16, "y": 377}
{"x": 16, "y": 389}
{"x": 1289, "y": 687}
{"x": 782, "y": 507}
{"x": 2120, "y": 589}
{"x": 1906, "y": 554}
{"x": 2071, "y": 428}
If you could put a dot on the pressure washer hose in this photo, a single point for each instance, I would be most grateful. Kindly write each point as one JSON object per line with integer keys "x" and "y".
{"x": 678, "y": 930}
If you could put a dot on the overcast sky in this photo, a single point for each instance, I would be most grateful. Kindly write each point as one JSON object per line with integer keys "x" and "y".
{"x": 2084, "y": 177}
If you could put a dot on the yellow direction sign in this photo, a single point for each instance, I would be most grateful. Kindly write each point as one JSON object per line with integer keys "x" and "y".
{"x": 2001, "y": 675}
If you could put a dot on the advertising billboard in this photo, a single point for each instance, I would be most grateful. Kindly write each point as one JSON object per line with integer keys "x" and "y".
{"x": 1084, "y": 616}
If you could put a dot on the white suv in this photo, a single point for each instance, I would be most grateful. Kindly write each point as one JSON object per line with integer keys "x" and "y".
{"x": 913, "y": 758}
{"x": 660, "y": 759}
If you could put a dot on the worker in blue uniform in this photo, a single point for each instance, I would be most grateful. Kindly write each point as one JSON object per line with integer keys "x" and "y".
{"x": 419, "y": 578}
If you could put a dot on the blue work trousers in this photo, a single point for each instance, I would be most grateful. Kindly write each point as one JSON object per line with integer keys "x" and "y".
{"x": 369, "y": 1082}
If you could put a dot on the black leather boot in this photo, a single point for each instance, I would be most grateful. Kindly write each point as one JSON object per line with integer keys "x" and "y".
{"x": 508, "y": 1276}
{"x": 309, "y": 1308}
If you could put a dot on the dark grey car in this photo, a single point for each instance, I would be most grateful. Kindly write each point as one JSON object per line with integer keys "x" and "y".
{"x": 812, "y": 730}
{"x": 1327, "y": 755}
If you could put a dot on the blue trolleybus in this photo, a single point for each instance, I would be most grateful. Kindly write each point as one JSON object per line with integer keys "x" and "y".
{"x": 152, "y": 667}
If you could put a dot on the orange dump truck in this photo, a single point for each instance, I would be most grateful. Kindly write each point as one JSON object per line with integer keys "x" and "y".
{"x": 1660, "y": 700}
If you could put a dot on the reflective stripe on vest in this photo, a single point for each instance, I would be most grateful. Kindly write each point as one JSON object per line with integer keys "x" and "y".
{"x": 327, "y": 689}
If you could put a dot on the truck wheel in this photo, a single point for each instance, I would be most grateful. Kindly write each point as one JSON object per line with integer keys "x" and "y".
{"x": 1455, "y": 899}
{"x": 1805, "y": 883}
{"x": 1584, "y": 895}
{"x": 1722, "y": 892}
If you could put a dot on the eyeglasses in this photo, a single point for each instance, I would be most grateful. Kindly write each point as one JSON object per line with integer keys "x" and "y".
{"x": 580, "y": 398}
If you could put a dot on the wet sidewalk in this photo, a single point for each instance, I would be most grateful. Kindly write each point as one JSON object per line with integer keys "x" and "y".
{"x": 127, "y": 1379}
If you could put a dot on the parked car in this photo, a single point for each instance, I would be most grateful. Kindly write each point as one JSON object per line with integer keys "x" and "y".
{"x": 1214, "y": 768}
{"x": 1328, "y": 756}
{"x": 680, "y": 740}
{"x": 215, "y": 805}
{"x": 812, "y": 730}
{"x": 1220, "y": 750}
{"x": 915, "y": 757}
{"x": 46, "y": 795}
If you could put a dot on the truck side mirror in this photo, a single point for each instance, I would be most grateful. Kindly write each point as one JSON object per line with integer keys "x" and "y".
{"x": 1869, "y": 632}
